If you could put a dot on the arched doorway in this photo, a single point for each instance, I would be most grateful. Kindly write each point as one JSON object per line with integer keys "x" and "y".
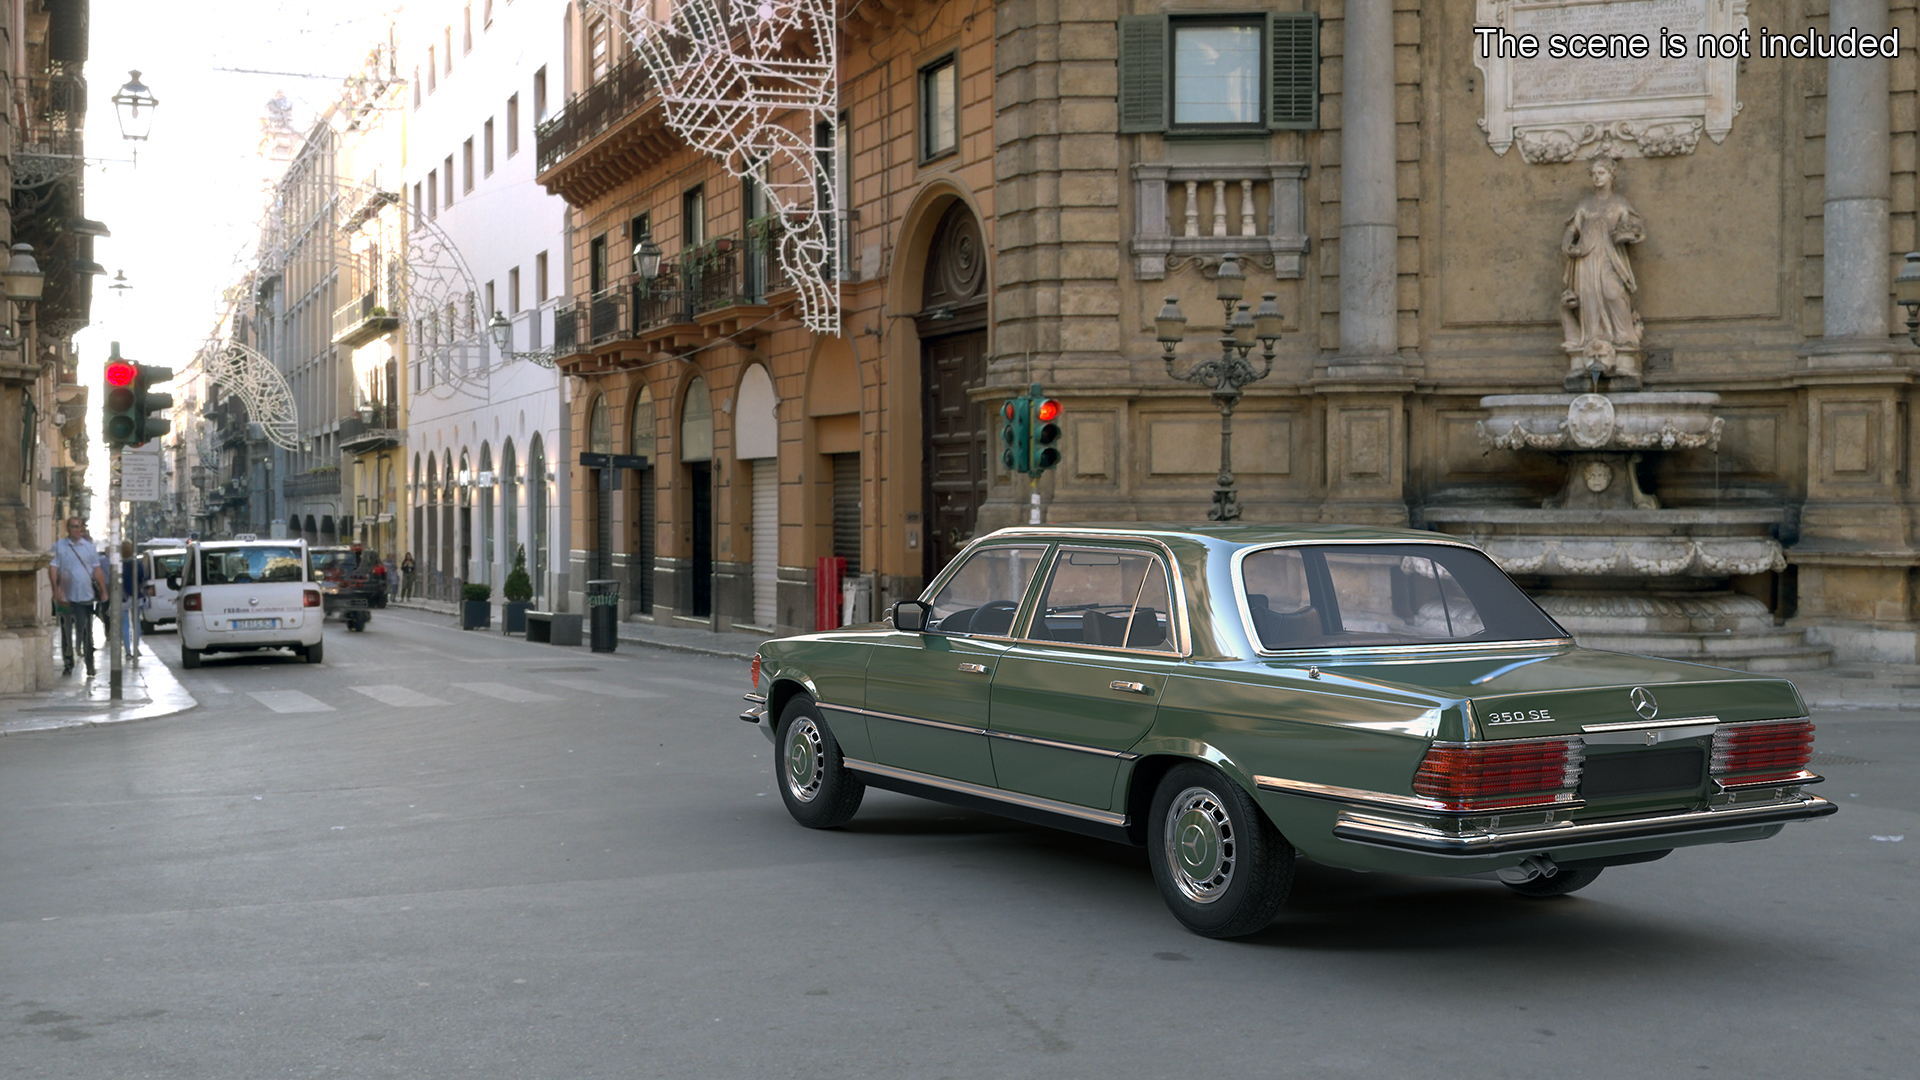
{"x": 600, "y": 488}
{"x": 696, "y": 456}
{"x": 537, "y": 553}
{"x": 429, "y": 561}
{"x": 953, "y": 360}
{"x": 485, "y": 481}
{"x": 509, "y": 506}
{"x": 641, "y": 521}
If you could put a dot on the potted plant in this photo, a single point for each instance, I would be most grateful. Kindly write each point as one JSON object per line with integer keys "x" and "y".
{"x": 476, "y": 606}
{"x": 518, "y": 590}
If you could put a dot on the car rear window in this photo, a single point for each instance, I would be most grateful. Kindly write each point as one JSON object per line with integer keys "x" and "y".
{"x": 1351, "y": 596}
{"x": 249, "y": 565}
{"x": 169, "y": 564}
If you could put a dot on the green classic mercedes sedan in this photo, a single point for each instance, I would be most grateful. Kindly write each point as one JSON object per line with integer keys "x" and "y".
{"x": 1235, "y": 697}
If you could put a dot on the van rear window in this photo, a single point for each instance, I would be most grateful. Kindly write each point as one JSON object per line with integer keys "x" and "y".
{"x": 169, "y": 565}
{"x": 243, "y": 566}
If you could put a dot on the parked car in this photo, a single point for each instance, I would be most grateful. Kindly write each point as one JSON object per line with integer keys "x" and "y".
{"x": 246, "y": 594}
{"x": 161, "y": 563}
{"x": 1234, "y": 696}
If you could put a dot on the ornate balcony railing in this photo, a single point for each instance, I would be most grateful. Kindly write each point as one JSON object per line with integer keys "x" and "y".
{"x": 615, "y": 95}
{"x": 1184, "y": 213}
{"x": 568, "y": 324}
{"x": 366, "y": 316}
{"x": 607, "y": 311}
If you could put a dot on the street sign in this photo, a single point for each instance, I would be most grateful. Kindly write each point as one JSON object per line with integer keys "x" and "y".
{"x": 140, "y": 476}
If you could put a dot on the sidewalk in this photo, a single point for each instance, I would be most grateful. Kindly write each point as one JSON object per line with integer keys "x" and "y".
{"x": 682, "y": 639}
{"x": 147, "y": 687}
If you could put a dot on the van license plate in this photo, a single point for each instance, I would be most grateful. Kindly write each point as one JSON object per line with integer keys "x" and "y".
{"x": 255, "y": 624}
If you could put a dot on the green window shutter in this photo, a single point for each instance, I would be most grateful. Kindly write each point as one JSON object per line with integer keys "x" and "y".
{"x": 1293, "y": 69}
{"x": 1143, "y": 73}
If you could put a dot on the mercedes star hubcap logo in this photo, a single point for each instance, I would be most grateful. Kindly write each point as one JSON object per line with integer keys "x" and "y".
{"x": 1643, "y": 703}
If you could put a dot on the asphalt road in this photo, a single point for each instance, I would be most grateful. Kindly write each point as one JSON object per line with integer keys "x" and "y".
{"x": 445, "y": 854}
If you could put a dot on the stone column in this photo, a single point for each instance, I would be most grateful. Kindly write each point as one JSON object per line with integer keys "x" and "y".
{"x": 1856, "y": 227}
{"x": 1369, "y": 230}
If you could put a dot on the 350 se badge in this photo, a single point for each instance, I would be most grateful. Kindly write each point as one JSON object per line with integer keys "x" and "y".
{"x": 1521, "y": 716}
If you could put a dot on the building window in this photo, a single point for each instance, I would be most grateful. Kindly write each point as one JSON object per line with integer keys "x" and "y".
{"x": 540, "y": 95}
{"x": 513, "y": 291}
{"x": 446, "y": 39}
{"x": 466, "y": 166}
{"x": 433, "y": 71}
{"x": 490, "y": 308}
{"x": 433, "y": 195}
{"x": 693, "y": 218}
{"x": 416, "y": 88}
{"x": 597, "y": 264}
{"x": 599, "y": 50}
{"x": 486, "y": 15}
{"x": 513, "y": 125}
{"x": 540, "y": 278}
{"x": 486, "y": 150}
{"x": 466, "y": 30}
{"x": 638, "y": 229}
{"x": 448, "y": 175}
{"x": 1219, "y": 73}
{"x": 939, "y": 108}
{"x": 417, "y": 205}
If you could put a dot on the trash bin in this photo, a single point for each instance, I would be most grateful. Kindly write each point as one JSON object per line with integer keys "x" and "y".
{"x": 603, "y": 614}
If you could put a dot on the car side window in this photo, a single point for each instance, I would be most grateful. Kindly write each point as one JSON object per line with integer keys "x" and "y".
{"x": 1106, "y": 597}
{"x": 983, "y": 595}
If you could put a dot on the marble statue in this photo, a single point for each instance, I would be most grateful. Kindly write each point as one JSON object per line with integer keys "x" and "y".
{"x": 1602, "y": 329}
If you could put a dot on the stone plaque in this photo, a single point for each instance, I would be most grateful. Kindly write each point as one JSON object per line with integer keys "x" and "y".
{"x": 1558, "y": 109}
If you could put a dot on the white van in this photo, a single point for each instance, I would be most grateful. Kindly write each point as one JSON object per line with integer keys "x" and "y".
{"x": 160, "y": 565}
{"x": 247, "y": 593}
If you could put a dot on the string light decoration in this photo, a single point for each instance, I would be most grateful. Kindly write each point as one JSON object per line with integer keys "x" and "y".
{"x": 729, "y": 72}
{"x": 242, "y": 371}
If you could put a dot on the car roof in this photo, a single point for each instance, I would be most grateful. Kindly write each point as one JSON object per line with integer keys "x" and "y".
{"x": 247, "y": 543}
{"x": 1217, "y": 536}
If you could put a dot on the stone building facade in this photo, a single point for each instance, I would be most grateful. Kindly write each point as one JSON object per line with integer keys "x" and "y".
{"x": 1406, "y": 201}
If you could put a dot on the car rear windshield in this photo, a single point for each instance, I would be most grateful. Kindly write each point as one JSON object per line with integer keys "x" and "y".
{"x": 169, "y": 564}
{"x": 242, "y": 566}
{"x": 1353, "y": 596}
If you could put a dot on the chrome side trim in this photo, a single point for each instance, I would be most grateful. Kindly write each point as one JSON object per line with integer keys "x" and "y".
{"x": 761, "y": 698}
{"x": 1801, "y": 777}
{"x": 1646, "y": 734}
{"x": 1410, "y": 836}
{"x": 1648, "y": 725}
{"x": 1387, "y": 800}
{"x": 1014, "y": 798}
{"x": 922, "y": 721}
{"x": 1079, "y": 748}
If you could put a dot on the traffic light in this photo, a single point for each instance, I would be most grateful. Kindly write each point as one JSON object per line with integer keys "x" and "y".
{"x": 1014, "y": 432}
{"x": 149, "y": 406}
{"x": 121, "y": 420}
{"x": 1045, "y": 444}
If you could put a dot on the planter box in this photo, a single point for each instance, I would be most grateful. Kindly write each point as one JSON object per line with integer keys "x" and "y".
{"x": 476, "y": 614}
{"x": 513, "y": 617}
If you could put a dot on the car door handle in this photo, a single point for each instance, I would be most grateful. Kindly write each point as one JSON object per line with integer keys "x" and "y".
{"x": 977, "y": 669}
{"x": 1129, "y": 687}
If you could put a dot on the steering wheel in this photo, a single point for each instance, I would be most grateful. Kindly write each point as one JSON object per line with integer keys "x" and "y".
{"x": 982, "y": 624}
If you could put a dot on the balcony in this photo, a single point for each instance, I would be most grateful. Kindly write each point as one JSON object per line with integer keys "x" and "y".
{"x": 1256, "y": 210}
{"x": 52, "y": 144}
{"x": 322, "y": 481}
{"x": 365, "y": 318}
{"x": 373, "y": 428}
{"x": 604, "y": 137}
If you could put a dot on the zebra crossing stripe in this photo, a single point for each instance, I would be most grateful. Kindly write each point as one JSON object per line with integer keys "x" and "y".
{"x": 289, "y": 701}
{"x": 398, "y": 696}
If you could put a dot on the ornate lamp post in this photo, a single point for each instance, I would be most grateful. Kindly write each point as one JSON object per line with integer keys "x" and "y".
{"x": 1226, "y": 375}
{"x": 135, "y": 104}
{"x": 1906, "y": 293}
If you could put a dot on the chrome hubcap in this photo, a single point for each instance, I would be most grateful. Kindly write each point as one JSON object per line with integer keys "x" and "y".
{"x": 1200, "y": 845}
{"x": 806, "y": 759}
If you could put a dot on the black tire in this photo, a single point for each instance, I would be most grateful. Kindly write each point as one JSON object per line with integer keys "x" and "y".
{"x": 818, "y": 788}
{"x": 189, "y": 658}
{"x": 380, "y": 601}
{"x": 1559, "y": 884}
{"x": 146, "y": 627}
{"x": 315, "y": 652}
{"x": 1223, "y": 869}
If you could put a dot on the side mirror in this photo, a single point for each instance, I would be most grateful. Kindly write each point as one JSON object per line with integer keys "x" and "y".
{"x": 910, "y": 616}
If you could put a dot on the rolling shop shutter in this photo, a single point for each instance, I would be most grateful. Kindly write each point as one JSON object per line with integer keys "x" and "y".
{"x": 766, "y": 540}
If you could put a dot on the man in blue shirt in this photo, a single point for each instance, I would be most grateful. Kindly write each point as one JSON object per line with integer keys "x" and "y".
{"x": 78, "y": 581}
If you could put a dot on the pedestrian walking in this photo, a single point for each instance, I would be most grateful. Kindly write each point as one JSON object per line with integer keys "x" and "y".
{"x": 406, "y": 577}
{"x": 133, "y": 596}
{"x": 78, "y": 584}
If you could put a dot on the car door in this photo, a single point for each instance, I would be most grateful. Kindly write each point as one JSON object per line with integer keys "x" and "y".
{"x": 928, "y": 693}
{"x": 1083, "y": 683}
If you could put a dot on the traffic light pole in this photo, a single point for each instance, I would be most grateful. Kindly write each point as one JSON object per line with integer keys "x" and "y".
{"x": 115, "y": 673}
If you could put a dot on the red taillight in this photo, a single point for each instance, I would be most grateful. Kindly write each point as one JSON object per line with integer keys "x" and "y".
{"x": 190, "y": 602}
{"x": 310, "y": 598}
{"x": 1765, "y": 753}
{"x": 756, "y": 671}
{"x": 1497, "y": 776}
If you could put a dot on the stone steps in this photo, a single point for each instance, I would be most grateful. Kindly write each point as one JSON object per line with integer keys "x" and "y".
{"x": 1771, "y": 649}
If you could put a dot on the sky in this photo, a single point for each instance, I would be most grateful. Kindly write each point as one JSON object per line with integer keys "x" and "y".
{"x": 184, "y": 207}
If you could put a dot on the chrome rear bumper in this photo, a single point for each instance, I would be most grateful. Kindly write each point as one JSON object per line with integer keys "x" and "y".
{"x": 1401, "y": 835}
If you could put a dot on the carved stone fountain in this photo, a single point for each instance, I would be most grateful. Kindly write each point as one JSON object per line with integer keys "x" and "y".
{"x": 1603, "y": 555}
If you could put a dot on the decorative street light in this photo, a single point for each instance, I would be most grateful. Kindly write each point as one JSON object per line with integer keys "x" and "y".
{"x": 501, "y": 328}
{"x": 1226, "y": 375}
{"x": 1906, "y": 293}
{"x": 646, "y": 258}
{"x": 135, "y": 104}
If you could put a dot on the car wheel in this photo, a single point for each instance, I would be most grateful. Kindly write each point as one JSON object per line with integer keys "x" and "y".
{"x": 316, "y": 652}
{"x": 818, "y": 788}
{"x": 1222, "y": 867}
{"x": 189, "y": 658}
{"x": 1559, "y": 884}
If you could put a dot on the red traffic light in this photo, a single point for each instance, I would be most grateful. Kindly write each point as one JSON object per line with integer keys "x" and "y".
{"x": 1048, "y": 411}
{"x": 121, "y": 373}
